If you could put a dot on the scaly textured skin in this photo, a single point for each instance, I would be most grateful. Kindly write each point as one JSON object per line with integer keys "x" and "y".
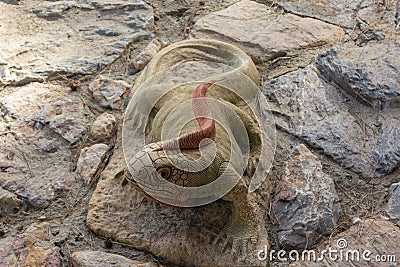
{"x": 242, "y": 230}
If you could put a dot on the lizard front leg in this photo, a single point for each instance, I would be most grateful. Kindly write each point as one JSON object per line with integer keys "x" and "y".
{"x": 243, "y": 230}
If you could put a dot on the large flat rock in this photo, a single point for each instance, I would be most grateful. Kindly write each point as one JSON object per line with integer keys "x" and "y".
{"x": 42, "y": 38}
{"x": 182, "y": 236}
{"x": 263, "y": 33}
{"x": 370, "y": 74}
{"x": 345, "y": 103}
{"x": 343, "y": 12}
{"x": 37, "y": 123}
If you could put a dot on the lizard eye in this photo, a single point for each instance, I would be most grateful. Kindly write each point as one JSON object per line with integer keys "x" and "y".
{"x": 164, "y": 172}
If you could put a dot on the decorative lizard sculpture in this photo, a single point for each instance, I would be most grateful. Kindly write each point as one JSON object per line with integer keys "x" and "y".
{"x": 189, "y": 125}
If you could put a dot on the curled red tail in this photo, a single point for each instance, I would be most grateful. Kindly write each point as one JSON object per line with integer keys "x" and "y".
{"x": 203, "y": 117}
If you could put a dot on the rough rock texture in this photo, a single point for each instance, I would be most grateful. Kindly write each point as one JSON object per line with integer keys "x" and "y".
{"x": 379, "y": 236}
{"x": 103, "y": 126}
{"x": 34, "y": 160}
{"x": 65, "y": 117}
{"x": 182, "y": 236}
{"x": 9, "y": 201}
{"x": 98, "y": 258}
{"x": 141, "y": 60}
{"x": 41, "y": 38}
{"x": 31, "y": 248}
{"x": 264, "y": 34}
{"x": 393, "y": 208}
{"x": 306, "y": 205}
{"x": 68, "y": 42}
{"x": 322, "y": 105}
{"x": 370, "y": 75}
{"x": 343, "y": 12}
{"x": 108, "y": 92}
{"x": 90, "y": 160}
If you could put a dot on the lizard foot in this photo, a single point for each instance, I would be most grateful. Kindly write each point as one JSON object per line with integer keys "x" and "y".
{"x": 242, "y": 237}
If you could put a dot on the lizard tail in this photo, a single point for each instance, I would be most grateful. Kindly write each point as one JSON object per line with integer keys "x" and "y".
{"x": 204, "y": 119}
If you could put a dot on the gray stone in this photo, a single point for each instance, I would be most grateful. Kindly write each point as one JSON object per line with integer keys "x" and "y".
{"x": 64, "y": 117}
{"x": 333, "y": 116}
{"x": 98, "y": 258}
{"x": 34, "y": 162}
{"x": 370, "y": 74}
{"x": 47, "y": 144}
{"x": 360, "y": 244}
{"x": 31, "y": 248}
{"x": 343, "y": 12}
{"x": 367, "y": 34}
{"x": 53, "y": 37}
{"x": 69, "y": 128}
{"x": 264, "y": 34}
{"x": 107, "y": 92}
{"x": 103, "y": 126}
{"x": 139, "y": 21}
{"x": 306, "y": 205}
{"x": 54, "y": 10}
{"x": 9, "y": 201}
{"x": 11, "y": 2}
{"x": 181, "y": 236}
{"x": 89, "y": 161}
{"x": 393, "y": 208}
{"x": 107, "y": 31}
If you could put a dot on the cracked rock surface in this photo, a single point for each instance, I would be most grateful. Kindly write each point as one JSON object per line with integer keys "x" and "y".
{"x": 306, "y": 205}
{"x": 330, "y": 72}
{"x": 264, "y": 34}
{"x": 55, "y": 36}
{"x": 345, "y": 103}
{"x": 31, "y": 147}
{"x": 155, "y": 227}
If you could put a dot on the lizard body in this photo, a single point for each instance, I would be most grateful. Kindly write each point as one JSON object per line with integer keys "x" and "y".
{"x": 173, "y": 150}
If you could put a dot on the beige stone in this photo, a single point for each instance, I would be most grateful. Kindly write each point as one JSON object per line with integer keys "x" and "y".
{"x": 31, "y": 248}
{"x": 264, "y": 34}
{"x": 107, "y": 92}
{"x": 98, "y": 258}
{"x": 380, "y": 237}
{"x": 90, "y": 160}
{"x": 37, "y": 161}
{"x": 8, "y": 201}
{"x": 141, "y": 60}
{"x": 182, "y": 236}
{"x": 103, "y": 125}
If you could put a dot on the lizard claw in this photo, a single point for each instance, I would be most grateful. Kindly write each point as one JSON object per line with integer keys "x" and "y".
{"x": 242, "y": 240}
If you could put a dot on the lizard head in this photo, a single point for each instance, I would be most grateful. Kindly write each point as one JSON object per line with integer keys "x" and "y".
{"x": 153, "y": 166}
